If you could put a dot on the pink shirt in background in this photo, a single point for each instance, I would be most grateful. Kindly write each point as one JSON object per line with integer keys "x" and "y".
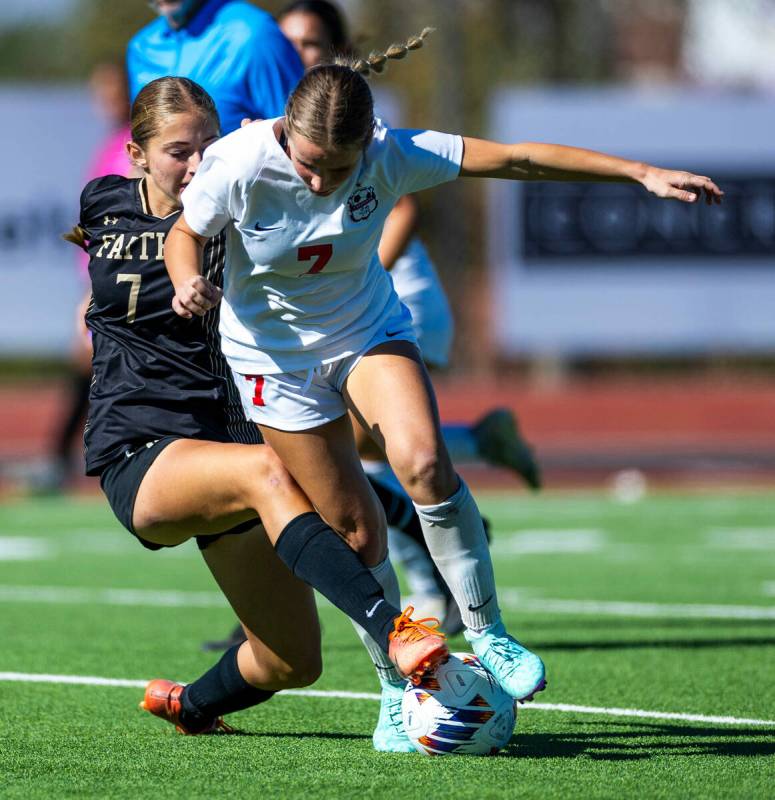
{"x": 110, "y": 159}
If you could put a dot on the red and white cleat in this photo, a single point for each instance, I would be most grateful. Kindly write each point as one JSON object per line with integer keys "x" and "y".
{"x": 162, "y": 699}
{"x": 416, "y": 648}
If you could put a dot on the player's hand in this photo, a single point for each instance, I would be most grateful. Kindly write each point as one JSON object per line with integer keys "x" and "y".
{"x": 683, "y": 186}
{"x": 247, "y": 121}
{"x": 195, "y": 296}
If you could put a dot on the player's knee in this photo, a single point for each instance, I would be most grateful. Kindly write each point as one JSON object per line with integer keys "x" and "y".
{"x": 266, "y": 474}
{"x": 155, "y": 527}
{"x": 301, "y": 670}
{"x": 424, "y": 471}
{"x": 306, "y": 671}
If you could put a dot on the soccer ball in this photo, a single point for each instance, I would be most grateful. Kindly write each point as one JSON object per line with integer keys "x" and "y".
{"x": 458, "y": 709}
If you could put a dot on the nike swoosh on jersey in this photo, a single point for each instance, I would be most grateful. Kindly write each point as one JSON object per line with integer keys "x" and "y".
{"x": 270, "y": 228}
{"x": 477, "y": 608}
{"x": 371, "y": 611}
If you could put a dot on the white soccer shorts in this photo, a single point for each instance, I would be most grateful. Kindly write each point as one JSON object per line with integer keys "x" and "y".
{"x": 309, "y": 398}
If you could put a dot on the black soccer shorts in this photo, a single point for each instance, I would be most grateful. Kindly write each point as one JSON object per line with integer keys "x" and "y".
{"x": 120, "y": 481}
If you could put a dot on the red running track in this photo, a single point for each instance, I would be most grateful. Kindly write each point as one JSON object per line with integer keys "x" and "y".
{"x": 661, "y": 425}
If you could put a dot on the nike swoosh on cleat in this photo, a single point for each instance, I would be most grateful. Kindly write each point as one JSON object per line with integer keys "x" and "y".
{"x": 370, "y": 613}
{"x": 477, "y": 608}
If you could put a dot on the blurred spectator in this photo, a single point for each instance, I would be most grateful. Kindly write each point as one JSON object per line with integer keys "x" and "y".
{"x": 231, "y": 48}
{"x": 109, "y": 88}
{"x": 648, "y": 39}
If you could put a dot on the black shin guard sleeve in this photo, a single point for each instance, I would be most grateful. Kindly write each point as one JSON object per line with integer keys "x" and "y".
{"x": 221, "y": 690}
{"x": 399, "y": 509}
{"x": 321, "y": 558}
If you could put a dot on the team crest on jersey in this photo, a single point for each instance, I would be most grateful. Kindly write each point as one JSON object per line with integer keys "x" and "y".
{"x": 362, "y": 203}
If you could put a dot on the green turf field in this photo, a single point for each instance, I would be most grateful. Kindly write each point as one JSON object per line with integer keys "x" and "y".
{"x": 667, "y": 605}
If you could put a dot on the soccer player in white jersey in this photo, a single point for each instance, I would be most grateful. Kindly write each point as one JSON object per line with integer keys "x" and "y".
{"x": 312, "y": 327}
{"x": 318, "y": 31}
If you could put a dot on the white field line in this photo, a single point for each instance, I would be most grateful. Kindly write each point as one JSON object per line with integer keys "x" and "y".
{"x": 508, "y": 598}
{"x": 112, "y": 597}
{"x": 516, "y": 600}
{"x": 742, "y": 538}
{"x": 542, "y": 541}
{"x": 23, "y": 548}
{"x": 86, "y": 680}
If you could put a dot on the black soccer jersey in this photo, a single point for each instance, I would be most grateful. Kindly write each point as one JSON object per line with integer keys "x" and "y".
{"x": 155, "y": 373}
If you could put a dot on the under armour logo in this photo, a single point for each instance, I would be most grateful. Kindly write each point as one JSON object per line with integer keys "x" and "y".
{"x": 108, "y": 220}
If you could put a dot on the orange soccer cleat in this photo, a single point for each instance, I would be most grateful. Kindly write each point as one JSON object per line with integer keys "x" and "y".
{"x": 162, "y": 699}
{"x": 416, "y": 649}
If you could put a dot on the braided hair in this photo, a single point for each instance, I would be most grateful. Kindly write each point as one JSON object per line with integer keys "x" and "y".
{"x": 332, "y": 105}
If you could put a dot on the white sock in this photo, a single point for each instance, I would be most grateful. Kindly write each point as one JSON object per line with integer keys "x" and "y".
{"x": 455, "y": 535}
{"x": 386, "y": 577}
{"x": 417, "y": 567}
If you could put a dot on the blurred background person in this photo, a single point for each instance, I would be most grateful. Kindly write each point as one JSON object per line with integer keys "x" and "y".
{"x": 231, "y": 48}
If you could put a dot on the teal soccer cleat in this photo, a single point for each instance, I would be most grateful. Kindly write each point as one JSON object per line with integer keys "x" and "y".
{"x": 520, "y": 672}
{"x": 389, "y": 735}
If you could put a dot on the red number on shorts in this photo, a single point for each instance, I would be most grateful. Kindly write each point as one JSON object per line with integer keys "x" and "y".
{"x": 322, "y": 252}
{"x": 258, "y": 400}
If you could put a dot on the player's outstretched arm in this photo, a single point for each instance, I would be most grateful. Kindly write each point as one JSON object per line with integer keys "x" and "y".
{"x": 194, "y": 294}
{"x": 534, "y": 161}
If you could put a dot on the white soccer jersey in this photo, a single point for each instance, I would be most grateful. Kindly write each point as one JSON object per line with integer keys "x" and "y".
{"x": 303, "y": 285}
{"x": 418, "y": 287}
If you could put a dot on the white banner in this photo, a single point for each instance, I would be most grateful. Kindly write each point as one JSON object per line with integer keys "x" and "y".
{"x": 48, "y": 137}
{"x": 600, "y": 269}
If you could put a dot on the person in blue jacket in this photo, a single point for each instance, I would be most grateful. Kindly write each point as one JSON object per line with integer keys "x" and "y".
{"x": 231, "y": 48}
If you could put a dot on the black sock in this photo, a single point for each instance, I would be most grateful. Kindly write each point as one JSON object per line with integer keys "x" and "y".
{"x": 321, "y": 558}
{"x": 221, "y": 690}
{"x": 77, "y": 405}
{"x": 399, "y": 509}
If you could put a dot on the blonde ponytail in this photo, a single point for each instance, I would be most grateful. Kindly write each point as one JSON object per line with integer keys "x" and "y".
{"x": 332, "y": 105}
{"x": 78, "y": 237}
{"x": 377, "y": 61}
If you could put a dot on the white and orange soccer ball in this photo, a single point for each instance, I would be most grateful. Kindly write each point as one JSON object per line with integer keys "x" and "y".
{"x": 459, "y": 709}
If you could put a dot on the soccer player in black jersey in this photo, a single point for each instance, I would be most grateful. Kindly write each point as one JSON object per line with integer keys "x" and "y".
{"x": 175, "y": 456}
